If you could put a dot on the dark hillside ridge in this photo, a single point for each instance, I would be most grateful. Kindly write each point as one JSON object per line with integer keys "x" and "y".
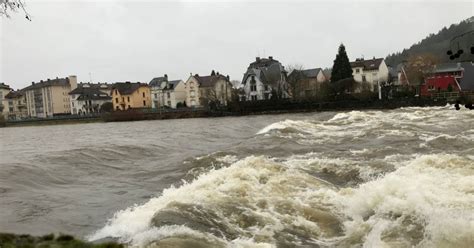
{"x": 438, "y": 44}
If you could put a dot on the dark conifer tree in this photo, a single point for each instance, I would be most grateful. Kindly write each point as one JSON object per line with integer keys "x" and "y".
{"x": 342, "y": 67}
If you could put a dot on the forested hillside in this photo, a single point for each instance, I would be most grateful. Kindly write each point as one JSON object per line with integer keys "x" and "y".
{"x": 438, "y": 44}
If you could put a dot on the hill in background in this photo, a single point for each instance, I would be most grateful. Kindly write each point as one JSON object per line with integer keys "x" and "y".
{"x": 438, "y": 44}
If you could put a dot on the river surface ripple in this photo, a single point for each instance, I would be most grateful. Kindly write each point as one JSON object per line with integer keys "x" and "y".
{"x": 392, "y": 178}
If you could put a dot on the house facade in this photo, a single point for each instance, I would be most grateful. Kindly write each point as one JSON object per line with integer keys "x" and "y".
{"x": 305, "y": 83}
{"x": 202, "y": 91}
{"x": 130, "y": 96}
{"x": 50, "y": 97}
{"x": 449, "y": 77}
{"x": 4, "y": 90}
{"x": 87, "y": 98}
{"x": 372, "y": 71}
{"x": 165, "y": 93}
{"x": 16, "y": 104}
{"x": 264, "y": 79}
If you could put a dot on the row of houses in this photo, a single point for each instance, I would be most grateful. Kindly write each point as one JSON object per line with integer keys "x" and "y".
{"x": 265, "y": 78}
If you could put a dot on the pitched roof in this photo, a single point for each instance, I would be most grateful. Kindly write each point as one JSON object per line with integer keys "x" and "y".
{"x": 263, "y": 62}
{"x": 370, "y": 64}
{"x": 467, "y": 81}
{"x": 4, "y": 86}
{"x": 269, "y": 70}
{"x": 157, "y": 81}
{"x": 209, "y": 81}
{"x": 172, "y": 84}
{"x": 84, "y": 88}
{"x": 89, "y": 92}
{"x": 49, "y": 82}
{"x": 309, "y": 73}
{"x": 14, "y": 94}
{"x": 447, "y": 67}
{"x": 127, "y": 88}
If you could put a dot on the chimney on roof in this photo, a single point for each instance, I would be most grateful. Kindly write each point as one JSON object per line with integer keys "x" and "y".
{"x": 257, "y": 59}
{"x": 166, "y": 76}
{"x": 213, "y": 73}
{"x": 374, "y": 57}
{"x": 228, "y": 78}
{"x": 127, "y": 82}
{"x": 270, "y": 57}
{"x": 41, "y": 81}
{"x": 196, "y": 75}
{"x": 217, "y": 73}
{"x": 32, "y": 83}
{"x": 48, "y": 79}
{"x": 57, "y": 77}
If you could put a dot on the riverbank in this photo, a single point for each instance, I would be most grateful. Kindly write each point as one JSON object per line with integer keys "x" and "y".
{"x": 239, "y": 109}
{"x": 9, "y": 240}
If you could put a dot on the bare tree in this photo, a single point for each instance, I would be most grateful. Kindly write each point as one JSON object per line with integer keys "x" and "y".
{"x": 8, "y": 6}
{"x": 419, "y": 65}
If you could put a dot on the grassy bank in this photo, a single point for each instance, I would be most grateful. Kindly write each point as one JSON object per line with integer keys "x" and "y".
{"x": 8, "y": 240}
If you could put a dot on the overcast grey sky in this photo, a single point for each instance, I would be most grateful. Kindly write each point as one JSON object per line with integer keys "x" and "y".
{"x": 138, "y": 40}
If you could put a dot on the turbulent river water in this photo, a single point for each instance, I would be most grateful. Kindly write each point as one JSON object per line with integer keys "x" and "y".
{"x": 393, "y": 178}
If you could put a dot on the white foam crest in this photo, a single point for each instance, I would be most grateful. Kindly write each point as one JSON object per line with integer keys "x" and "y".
{"x": 276, "y": 126}
{"x": 262, "y": 188}
{"x": 427, "y": 191}
{"x": 154, "y": 234}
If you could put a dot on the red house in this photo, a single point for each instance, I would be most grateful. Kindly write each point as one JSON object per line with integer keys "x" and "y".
{"x": 450, "y": 77}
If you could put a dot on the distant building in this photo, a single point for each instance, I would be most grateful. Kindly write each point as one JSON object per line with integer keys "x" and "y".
{"x": 4, "y": 90}
{"x": 305, "y": 83}
{"x": 87, "y": 98}
{"x": 264, "y": 79}
{"x": 449, "y": 77}
{"x": 50, "y": 97}
{"x": 130, "y": 96}
{"x": 372, "y": 71}
{"x": 202, "y": 91}
{"x": 165, "y": 93}
{"x": 16, "y": 103}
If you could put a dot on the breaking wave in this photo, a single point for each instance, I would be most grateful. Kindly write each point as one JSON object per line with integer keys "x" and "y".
{"x": 373, "y": 179}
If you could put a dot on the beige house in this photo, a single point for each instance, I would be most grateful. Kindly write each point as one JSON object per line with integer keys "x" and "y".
{"x": 165, "y": 93}
{"x": 4, "y": 90}
{"x": 130, "y": 96}
{"x": 49, "y": 98}
{"x": 204, "y": 90}
{"x": 16, "y": 101}
{"x": 305, "y": 83}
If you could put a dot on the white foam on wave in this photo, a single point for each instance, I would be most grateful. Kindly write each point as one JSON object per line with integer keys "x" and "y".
{"x": 267, "y": 192}
{"x": 432, "y": 192}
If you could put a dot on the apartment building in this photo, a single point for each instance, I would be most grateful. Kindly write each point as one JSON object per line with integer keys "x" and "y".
{"x": 50, "y": 97}
{"x": 16, "y": 105}
{"x": 4, "y": 90}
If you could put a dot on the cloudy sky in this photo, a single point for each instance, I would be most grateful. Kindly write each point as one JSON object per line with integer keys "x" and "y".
{"x": 138, "y": 40}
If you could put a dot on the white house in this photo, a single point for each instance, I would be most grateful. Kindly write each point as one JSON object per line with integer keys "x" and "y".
{"x": 87, "y": 98}
{"x": 167, "y": 93}
{"x": 264, "y": 78}
{"x": 204, "y": 90}
{"x": 373, "y": 71}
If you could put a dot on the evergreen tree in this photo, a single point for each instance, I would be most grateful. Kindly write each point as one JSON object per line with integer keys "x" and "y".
{"x": 342, "y": 67}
